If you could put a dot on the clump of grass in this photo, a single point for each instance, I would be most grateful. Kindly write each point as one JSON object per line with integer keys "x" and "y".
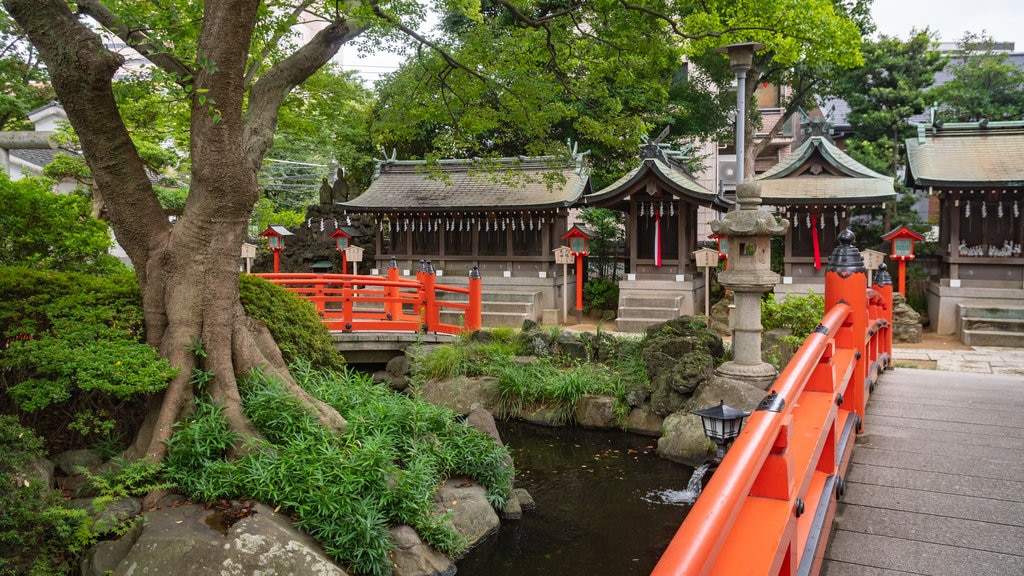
{"x": 345, "y": 490}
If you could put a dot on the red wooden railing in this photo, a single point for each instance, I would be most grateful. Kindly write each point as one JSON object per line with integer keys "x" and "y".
{"x": 347, "y": 302}
{"x": 768, "y": 508}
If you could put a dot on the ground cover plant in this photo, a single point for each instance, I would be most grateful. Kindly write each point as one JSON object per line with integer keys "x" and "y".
{"x": 347, "y": 489}
{"x": 556, "y": 381}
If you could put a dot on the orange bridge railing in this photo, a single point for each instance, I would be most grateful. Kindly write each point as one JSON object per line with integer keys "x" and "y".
{"x": 768, "y": 508}
{"x": 347, "y": 302}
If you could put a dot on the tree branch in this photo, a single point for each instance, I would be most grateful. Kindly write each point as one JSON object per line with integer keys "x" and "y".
{"x": 255, "y": 66}
{"x": 269, "y": 91}
{"x": 135, "y": 38}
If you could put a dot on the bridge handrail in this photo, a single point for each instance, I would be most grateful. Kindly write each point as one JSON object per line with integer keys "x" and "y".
{"x": 768, "y": 508}
{"x": 394, "y": 294}
{"x": 720, "y": 502}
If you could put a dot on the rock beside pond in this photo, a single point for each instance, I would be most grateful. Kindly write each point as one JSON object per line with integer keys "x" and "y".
{"x": 526, "y": 501}
{"x": 461, "y": 393}
{"x": 596, "y": 411}
{"x": 179, "y": 540}
{"x": 683, "y": 440}
{"x": 413, "y": 557}
{"x": 644, "y": 421}
{"x": 468, "y": 510}
{"x": 682, "y": 435}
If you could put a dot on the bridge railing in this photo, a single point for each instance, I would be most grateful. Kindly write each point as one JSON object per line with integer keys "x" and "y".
{"x": 768, "y": 508}
{"x": 347, "y": 302}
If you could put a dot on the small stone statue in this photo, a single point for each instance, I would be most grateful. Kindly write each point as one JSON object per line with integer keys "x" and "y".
{"x": 340, "y": 190}
{"x": 326, "y": 193}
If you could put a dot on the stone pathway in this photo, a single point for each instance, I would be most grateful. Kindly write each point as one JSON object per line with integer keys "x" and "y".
{"x": 974, "y": 359}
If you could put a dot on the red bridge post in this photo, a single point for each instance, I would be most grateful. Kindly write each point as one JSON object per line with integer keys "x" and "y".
{"x": 846, "y": 280}
{"x": 882, "y": 283}
{"x": 392, "y": 307}
{"x": 474, "y": 314}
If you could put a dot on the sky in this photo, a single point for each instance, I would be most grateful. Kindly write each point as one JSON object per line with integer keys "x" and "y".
{"x": 1003, "y": 20}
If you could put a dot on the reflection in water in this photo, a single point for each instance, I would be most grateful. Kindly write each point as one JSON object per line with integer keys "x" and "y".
{"x": 594, "y": 514}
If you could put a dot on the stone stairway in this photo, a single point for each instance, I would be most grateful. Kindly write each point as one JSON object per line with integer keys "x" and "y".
{"x": 502, "y": 308}
{"x": 645, "y": 303}
{"x": 991, "y": 326}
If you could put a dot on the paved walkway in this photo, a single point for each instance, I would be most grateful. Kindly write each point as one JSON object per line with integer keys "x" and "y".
{"x": 936, "y": 484}
{"x": 974, "y": 359}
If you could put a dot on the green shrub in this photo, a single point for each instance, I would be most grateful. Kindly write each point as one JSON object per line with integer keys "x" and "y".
{"x": 38, "y": 535}
{"x": 601, "y": 294}
{"x": 799, "y": 314}
{"x": 74, "y": 341}
{"x": 345, "y": 490}
{"x": 299, "y": 333}
{"x": 49, "y": 231}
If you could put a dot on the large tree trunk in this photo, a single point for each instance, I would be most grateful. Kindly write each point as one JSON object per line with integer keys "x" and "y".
{"x": 188, "y": 271}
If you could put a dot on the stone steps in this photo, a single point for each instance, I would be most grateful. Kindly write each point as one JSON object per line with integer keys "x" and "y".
{"x": 990, "y": 326}
{"x": 500, "y": 308}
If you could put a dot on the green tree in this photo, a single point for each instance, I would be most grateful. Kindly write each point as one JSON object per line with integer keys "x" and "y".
{"x": 985, "y": 83}
{"x": 21, "y": 75}
{"x": 891, "y": 87}
{"x": 48, "y": 231}
{"x": 602, "y": 74}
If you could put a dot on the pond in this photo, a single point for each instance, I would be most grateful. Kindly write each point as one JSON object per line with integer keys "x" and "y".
{"x": 606, "y": 505}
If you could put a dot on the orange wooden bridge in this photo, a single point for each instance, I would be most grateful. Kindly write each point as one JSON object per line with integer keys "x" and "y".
{"x": 768, "y": 508}
{"x": 351, "y": 303}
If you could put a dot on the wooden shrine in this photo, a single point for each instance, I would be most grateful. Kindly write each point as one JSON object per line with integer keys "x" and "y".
{"x": 976, "y": 172}
{"x": 818, "y": 188}
{"x": 660, "y": 199}
{"x": 503, "y": 215}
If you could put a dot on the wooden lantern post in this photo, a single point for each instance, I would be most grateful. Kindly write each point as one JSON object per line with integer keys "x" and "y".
{"x": 563, "y": 256}
{"x": 902, "y": 239}
{"x": 707, "y": 258}
{"x": 341, "y": 240}
{"x": 579, "y": 238}
{"x": 275, "y": 242}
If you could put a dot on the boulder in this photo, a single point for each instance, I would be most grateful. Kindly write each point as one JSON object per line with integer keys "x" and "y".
{"x": 397, "y": 372}
{"x": 596, "y": 411}
{"x": 413, "y": 557}
{"x": 468, "y": 511}
{"x": 482, "y": 420}
{"x": 735, "y": 393}
{"x": 683, "y": 440}
{"x": 526, "y": 501}
{"x": 644, "y": 421}
{"x": 108, "y": 516}
{"x": 906, "y": 322}
{"x": 461, "y": 393}
{"x": 571, "y": 346}
{"x": 180, "y": 540}
{"x": 513, "y": 509}
{"x": 69, "y": 462}
{"x": 104, "y": 557}
{"x": 541, "y": 414}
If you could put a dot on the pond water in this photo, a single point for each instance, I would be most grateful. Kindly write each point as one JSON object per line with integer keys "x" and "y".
{"x": 606, "y": 505}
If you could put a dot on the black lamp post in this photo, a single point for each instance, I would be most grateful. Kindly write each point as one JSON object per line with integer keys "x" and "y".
{"x": 722, "y": 424}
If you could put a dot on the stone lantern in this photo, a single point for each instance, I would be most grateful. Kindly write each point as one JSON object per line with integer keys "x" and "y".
{"x": 749, "y": 231}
